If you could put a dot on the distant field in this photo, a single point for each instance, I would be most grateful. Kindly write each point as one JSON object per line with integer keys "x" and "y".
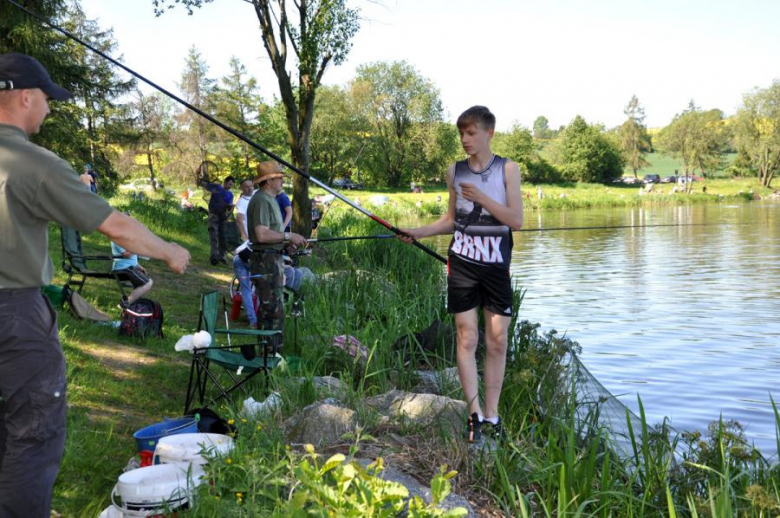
{"x": 665, "y": 165}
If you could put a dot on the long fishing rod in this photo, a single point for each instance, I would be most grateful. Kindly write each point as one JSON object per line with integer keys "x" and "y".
{"x": 541, "y": 229}
{"x": 230, "y": 130}
{"x": 550, "y": 229}
{"x": 349, "y": 238}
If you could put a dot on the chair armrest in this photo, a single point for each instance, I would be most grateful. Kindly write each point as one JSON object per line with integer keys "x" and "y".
{"x": 248, "y": 332}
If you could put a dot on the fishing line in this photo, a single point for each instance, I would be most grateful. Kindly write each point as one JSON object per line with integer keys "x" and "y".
{"x": 230, "y": 130}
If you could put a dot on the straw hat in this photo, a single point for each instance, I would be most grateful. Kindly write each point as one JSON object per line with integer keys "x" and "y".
{"x": 268, "y": 170}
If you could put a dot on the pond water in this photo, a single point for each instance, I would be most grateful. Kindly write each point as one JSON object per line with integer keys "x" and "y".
{"x": 687, "y": 317}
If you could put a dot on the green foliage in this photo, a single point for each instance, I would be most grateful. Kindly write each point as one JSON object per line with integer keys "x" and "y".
{"x": 337, "y": 139}
{"x": 758, "y": 131}
{"x": 698, "y": 138}
{"x": 542, "y": 129}
{"x": 634, "y": 139}
{"x": 82, "y": 129}
{"x": 275, "y": 482}
{"x": 584, "y": 153}
{"x": 403, "y": 112}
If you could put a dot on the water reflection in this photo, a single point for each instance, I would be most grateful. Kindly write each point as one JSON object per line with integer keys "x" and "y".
{"x": 684, "y": 316}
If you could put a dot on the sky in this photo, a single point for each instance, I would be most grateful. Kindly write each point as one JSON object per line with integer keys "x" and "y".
{"x": 521, "y": 58}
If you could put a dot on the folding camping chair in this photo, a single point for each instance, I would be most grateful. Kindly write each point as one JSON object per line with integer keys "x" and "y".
{"x": 75, "y": 263}
{"x": 228, "y": 358}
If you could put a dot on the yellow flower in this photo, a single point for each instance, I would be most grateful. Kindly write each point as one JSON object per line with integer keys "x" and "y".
{"x": 243, "y": 420}
{"x": 231, "y": 421}
{"x": 259, "y": 427}
{"x": 228, "y": 461}
{"x": 239, "y": 495}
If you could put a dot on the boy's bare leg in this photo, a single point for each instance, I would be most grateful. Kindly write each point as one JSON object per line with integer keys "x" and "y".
{"x": 496, "y": 327}
{"x": 140, "y": 292}
{"x": 466, "y": 325}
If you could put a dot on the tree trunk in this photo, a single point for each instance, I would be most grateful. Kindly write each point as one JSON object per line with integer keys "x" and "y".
{"x": 149, "y": 158}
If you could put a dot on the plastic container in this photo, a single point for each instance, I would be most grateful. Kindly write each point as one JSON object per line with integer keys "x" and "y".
{"x": 55, "y": 294}
{"x": 256, "y": 409}
{"x": 186, "y": 448}
{"x": 151, "y": 490}
{"x": 147, "y": 437}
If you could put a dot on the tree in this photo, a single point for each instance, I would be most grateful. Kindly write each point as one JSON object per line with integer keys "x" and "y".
{"x": 319, "y": 33}
{"x": 336, "y": 136}
{"x": 542, "y": 129}
{"x": 152, "y": 124}
{"x": 585, "y": 154}
{"x": 238, "y": 104}
{"x": 83, "y": 129}
{"x": 197, "y": 88}
{"x": 634, "y": 139}
{"x": 402, "y": 110}
{"x": 758, "y": 131}
{"x": 519, "y": 146}
{"x": 696, "y": 137}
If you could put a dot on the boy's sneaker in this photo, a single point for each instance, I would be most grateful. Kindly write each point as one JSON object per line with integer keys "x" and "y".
{"x": 473, "y": 428}
{"x": 495, "y": 431}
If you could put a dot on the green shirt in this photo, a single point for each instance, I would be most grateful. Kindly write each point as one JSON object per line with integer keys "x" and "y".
{"x": 264, "y": 210}
{"x": 36, "y": 187}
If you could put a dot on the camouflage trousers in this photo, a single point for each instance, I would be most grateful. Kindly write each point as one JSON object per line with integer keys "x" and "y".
{"x": 268, "y": 278}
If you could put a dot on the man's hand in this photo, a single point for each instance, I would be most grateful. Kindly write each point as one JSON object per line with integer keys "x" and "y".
{"x": 86, "y": 179}
{"x": 178, "y": 258}
{"x": 471, "y": 192}
{"x": 298, "y": 240}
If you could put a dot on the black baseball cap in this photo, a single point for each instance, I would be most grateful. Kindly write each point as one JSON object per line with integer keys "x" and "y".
{"x": 20, "y": 71}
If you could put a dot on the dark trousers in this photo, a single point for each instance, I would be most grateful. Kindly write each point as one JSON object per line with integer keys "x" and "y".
{"x": 218, "y": 234}
{"x": 32, "y": 410}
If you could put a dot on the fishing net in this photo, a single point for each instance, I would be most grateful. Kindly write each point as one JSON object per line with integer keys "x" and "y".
{"x": 597, "y": 410}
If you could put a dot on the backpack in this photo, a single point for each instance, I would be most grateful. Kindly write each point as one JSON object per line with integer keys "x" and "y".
{"x": 143, "y": 318}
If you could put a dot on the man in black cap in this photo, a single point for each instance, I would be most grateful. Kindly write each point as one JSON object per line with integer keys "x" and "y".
{"x": 38, "y": 187}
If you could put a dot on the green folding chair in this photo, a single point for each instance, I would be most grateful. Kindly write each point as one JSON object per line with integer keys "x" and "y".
{"x": 226, "y": 367}
{"x": 77, "y": 264}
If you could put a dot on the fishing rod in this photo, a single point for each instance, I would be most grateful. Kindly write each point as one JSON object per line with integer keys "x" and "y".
{"x": 230, "y": 130}
{"x": 349, "y": 238}
{"x": 549, "y": 229}
{"x": 541, "y": 229}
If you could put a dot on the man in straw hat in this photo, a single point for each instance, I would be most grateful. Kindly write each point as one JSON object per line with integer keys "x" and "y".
{"x": 38, "y": 187}
{"x": 266, "y": 231}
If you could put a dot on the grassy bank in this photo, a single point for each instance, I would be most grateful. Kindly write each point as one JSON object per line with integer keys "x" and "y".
{"x": 576, "y": 196}
{"x": 557, "y": 461}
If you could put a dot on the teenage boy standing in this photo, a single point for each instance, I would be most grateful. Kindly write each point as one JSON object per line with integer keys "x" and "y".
{"x": 485, "y": 206}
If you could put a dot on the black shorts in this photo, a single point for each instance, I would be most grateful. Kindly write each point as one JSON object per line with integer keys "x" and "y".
{"x": 134, "y": 275}
{"x": 471, "y": 285}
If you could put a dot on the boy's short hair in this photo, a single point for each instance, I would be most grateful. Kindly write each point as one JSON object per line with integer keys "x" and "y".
{"x": 229, "y": 179}
{"x": 477, "y": 115}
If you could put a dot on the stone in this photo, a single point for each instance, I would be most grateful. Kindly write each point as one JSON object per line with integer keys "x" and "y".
{"x": 420, "y": 409}
{"x": 323, "y": 384}
{"x": 415, "y": 488}
{"x": 322, "y": 423}
{"x": 436, "y": 382}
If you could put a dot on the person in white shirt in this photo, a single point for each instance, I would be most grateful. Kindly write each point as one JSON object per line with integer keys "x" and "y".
{"x": 243, "y": 253}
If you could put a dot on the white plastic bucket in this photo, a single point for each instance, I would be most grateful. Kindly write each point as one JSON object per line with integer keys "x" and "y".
{"x": 186, "y": 447}
{"x": 150, "y": 490}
